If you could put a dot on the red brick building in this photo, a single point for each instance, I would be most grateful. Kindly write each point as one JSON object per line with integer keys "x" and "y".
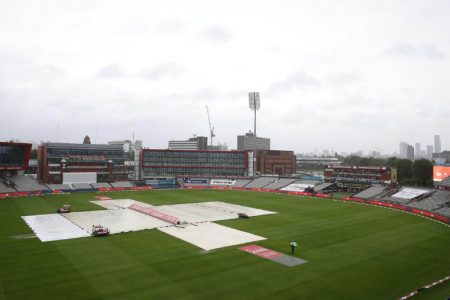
{"x": 275, "y": 162}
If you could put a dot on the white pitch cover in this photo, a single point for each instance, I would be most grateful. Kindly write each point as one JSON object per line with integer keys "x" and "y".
{"x": 54, "y": 227}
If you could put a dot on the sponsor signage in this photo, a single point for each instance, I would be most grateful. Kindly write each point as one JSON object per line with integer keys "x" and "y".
{"x": 261, "y": 251}
{"x": 222, "y": 182}
{"x": 440, "y": 173}
{"x": 198, "y": 181}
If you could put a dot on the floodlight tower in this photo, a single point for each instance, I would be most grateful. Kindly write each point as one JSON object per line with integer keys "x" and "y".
{"x": 254, "y": 104}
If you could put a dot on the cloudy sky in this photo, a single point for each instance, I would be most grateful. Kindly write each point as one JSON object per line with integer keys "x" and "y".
{"x": 342, "y": 75}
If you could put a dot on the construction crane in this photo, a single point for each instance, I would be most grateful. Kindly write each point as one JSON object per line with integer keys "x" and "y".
{"x": 211, "y": 128}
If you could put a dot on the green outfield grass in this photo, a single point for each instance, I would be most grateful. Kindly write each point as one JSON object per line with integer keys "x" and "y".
{"x": 353, "y": 251}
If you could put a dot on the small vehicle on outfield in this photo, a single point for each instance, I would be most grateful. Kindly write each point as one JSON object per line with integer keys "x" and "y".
{"x": 99, "y": 230}
{"x": 64, "y": 209}
{"x": 243, "y": 216}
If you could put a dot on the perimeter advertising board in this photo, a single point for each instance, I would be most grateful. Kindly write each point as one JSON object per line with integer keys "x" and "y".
{"x": 440, "y": 173}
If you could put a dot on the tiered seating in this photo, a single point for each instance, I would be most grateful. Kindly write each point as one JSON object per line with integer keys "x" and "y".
{"x": 435, "y": 201}
{"x": 60, "y": 187}
{"x": 406, "y": 195}
{"x": 300, "y": 185}
{"x": 122, "y": 184}
{"x": 395, "y": 200}
{"x": 6, "y": 189}
{"x": 241, "y": 182}
{"x": 323, "y": 186}
{"x": 82, "y": 186}
{"x": 260, "y": 182}
{"x": 99, "y": 185}
{"x": 443, "y": 211}
{"x": 409, "y": 193}
{"x": 279, "y": 183}
{"x": 26, "y": 184}
{"x": 370, "y": 193}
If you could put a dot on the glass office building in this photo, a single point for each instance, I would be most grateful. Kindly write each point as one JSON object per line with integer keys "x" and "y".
{"x": 190, "y": 163}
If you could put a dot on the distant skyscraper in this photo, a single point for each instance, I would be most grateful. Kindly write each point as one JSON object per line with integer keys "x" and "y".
{"x": 417, "y": 150}
{"x": 193, "y": 143}
{"x": 410, "y": 152}
{"x": 437, "y": 143}
{"x": 403, "y": 148}
{"x": 429, "y": 151}
{"x": 246, "y": 142}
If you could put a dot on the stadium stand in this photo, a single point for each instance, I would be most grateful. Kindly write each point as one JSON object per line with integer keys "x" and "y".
{"x": 444, "y": 184}
{"x": 323, "y": 187}
{"x": 6, "y": 189}
{"x": 122, "y": 184}
{"x": 99, "y": 185}
{"x": 300, "y": 185}
{"x": 242, "y": 182}
{"x": 409, "y": 193}
{"x": 26, "y": 184}
{"x": 60, "y": 187}
{"x": 406, "y": 195}
{"x": 443, "y": 211}
{"x": 260, "y": 182}
{"x": 437, "y": 200}
{"x": 370, "y": 193}
{"x": 82, "y": 186}
{"x": 279, "y": 183}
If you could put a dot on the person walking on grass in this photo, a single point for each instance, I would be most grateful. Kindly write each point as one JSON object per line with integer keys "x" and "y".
{"x": 293, "y": 246}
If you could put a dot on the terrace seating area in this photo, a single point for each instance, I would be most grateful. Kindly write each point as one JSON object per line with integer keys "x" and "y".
{"x": 82, "y": 186}
{"x": 6, "y": 189}
{"x": 370, "y": 193}
{"x": 260, "y": 182}
{"x": 322, "y": 187}
{"x": 445, "y": 211}
{"x": 99, "y": 185}
{"x": 27, "y": 184}
{"x": 406, "y": 195}
{"x": 122, "y": 184}
{"x": 279, "y": 183}
{"x": 301, "y": 185}
{"x": 60, "y": 187}
{"x": 241, "y": 182}
{"x": 436, "y": 201}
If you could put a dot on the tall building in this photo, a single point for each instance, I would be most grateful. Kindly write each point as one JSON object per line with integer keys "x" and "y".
{"x": 437, "y": 143}
{"x": 410, "y": 152}
{"x": 247, "y": 142}
{"x": 417, "y": 150}
{"x": 403, "y": 148}
{"x": 193, "y": 143}
{"x": 429, "y": 151}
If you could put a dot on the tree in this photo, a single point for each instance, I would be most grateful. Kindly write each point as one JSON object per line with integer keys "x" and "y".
{"x": 422, "y": 171}
{"x": 404, "y": 171}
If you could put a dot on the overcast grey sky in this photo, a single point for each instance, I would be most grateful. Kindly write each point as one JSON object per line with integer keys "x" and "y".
{"x": 342, "y": 75}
